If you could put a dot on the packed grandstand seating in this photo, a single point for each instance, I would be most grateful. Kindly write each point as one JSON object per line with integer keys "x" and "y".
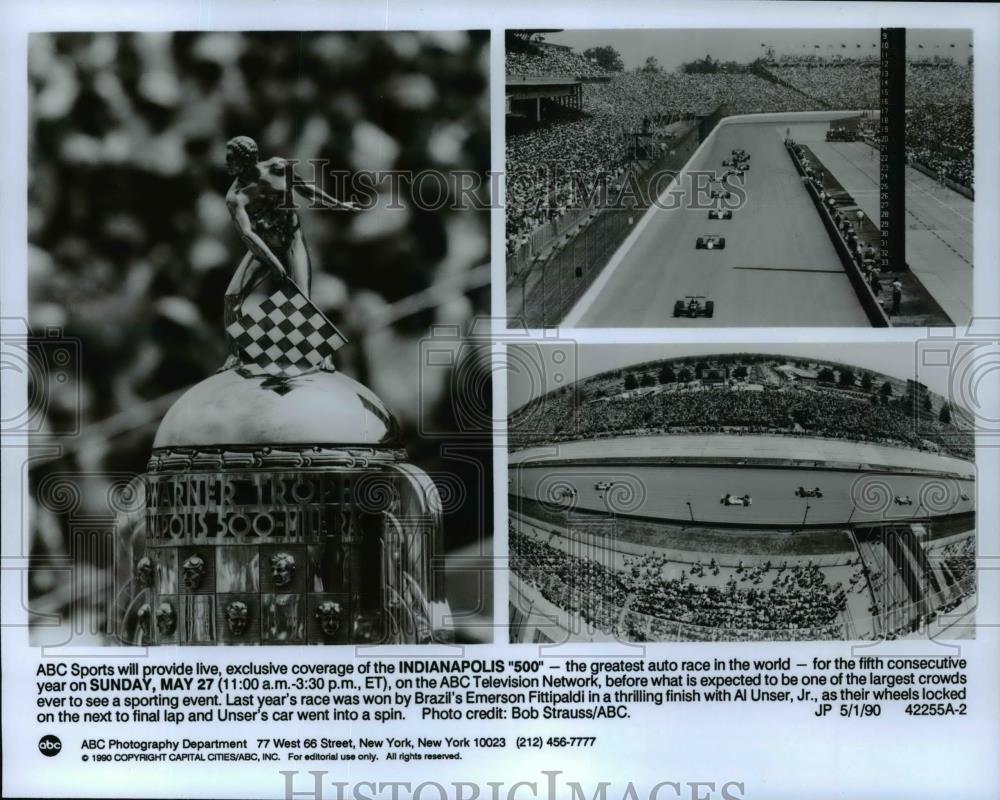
{"x": 941, "y": 138}
{"x": 595, "y": 144}
{"x": 939, "y": 122}
{"x": 763, "y": 598}
{"x": 794, "y": 409}
{"x": 550, "y": 62}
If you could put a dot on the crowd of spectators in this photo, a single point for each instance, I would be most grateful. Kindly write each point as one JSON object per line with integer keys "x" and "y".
{"x": 802, "y": 408}
{"x": 551, "y": 62}
{"x": 846, "y": 83}
{"x": 939, "y": 120}
{"x": 941, "y": 137}
{"x": 593, "y": 146}
{"x": 796, "y": 597}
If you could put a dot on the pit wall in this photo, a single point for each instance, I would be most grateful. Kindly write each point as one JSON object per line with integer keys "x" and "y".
{"x": 872, "y": 307}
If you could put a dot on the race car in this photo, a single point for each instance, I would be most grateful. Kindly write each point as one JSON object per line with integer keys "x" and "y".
{"x": 736, "y": 500}
{"x": 904, "y": 500}
{"x": 720, "y": 213}
{"x": 603, "y": 486}
{"x": 735, "y": 163}
{"x": 736, "y": 171}
{"x": 717, "y": 193}
{"x": 692, "y": 306}
{"x": 803, "y": 492}
{"x": 965, "y": 496}
{"x": 710, "y": 241}
{"x": 740, "y": 155}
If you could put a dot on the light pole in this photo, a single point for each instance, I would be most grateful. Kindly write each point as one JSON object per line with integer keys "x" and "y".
{"x": 690, "y": 510}
{"x": 806, "y": 514}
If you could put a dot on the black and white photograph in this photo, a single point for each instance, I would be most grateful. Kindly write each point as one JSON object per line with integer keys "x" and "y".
{"x": 710, "y": 493}
{"x": 738, "y": 177}
{"x": 499, "y": 401}
{"x": 271, "y": 424}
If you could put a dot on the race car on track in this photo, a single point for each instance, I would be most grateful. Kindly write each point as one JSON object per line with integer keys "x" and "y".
{"x": 720, "y": 213}
{"x": 717, "y": 193}
{"x": 964, "y": 496}
{"x": 710, "y": 241}
{"x": 736, "y": 500}
{"x": 603, "y": 486}
{"x": 803, "y": 492}
{"x": 904, "y": 500}
{"x": 692, "y": 306}
{"x": 740, "y": 171}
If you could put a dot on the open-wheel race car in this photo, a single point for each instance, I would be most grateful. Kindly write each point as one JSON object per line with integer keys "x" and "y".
{"x": 720, "y": 213}
{"x": 694, "y": 306}
{"x": 710, "y": 241}
{"x": 740, "y": 154}
{"x": 803, "y": 492}
{"x": 603, "y": 486}
{"x": 736, "y": 500}
{"x": 739, "y": 171}
{"x": 717, "y": 193}
{"x": 903, "y": 500}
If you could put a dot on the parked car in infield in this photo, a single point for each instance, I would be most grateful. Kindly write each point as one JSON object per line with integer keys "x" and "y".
{"x": 710, "y": 241}
{"x": 736, "y": 500}
{"x": 720, "y": 213}
{"x": 694, "y": 306}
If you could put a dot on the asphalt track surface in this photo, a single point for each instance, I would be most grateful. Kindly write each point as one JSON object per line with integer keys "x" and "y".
{"x": 778, "y": 267}
{"x": 663, "y": 492}
{"x": 938, "y": 220}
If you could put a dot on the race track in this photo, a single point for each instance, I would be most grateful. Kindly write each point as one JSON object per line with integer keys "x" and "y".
{"x": 938, "y": 220}
{"x": 778, "y": 268}
{"x": 663, "y": 492}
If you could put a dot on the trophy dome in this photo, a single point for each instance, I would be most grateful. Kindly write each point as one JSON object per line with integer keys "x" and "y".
{"x": 315, "y": 409}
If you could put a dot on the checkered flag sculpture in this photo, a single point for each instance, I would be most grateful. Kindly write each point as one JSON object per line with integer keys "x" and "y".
{"x": 286, "y": 335}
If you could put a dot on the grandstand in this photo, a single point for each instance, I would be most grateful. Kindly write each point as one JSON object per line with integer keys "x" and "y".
{"x": 561, "y": 146}
{"x": 796, "y": 499}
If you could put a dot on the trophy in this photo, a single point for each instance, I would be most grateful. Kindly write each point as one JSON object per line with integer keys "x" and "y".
{"x": 279, "y": 504}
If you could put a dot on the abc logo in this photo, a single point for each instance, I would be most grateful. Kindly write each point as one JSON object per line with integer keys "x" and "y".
{"x": 49, "y": 745}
